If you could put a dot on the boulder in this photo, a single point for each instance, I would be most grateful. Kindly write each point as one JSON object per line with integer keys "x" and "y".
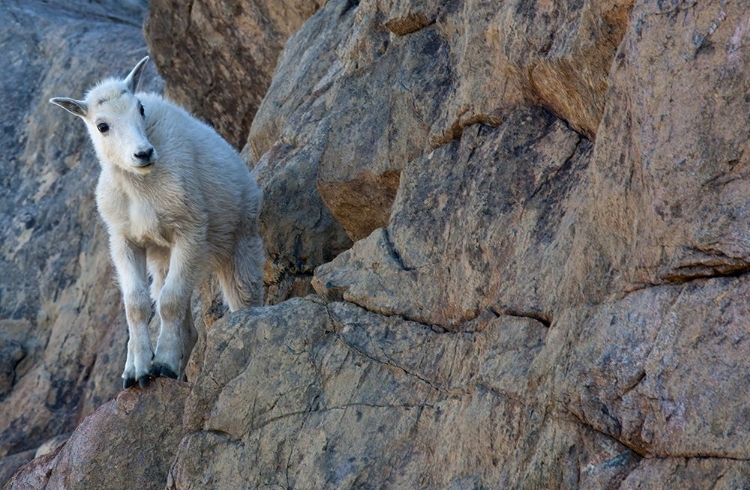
{"x": 484, "y": 222}
{"x": 362, "y": 90}
{"x": 128, "y": 442}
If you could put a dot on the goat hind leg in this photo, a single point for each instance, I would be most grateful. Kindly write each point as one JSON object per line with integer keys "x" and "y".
{"x": 189, "y": 338}
{"x": 241, "y": 278}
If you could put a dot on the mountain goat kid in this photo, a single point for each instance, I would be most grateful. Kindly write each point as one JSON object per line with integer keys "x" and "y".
{"x": 178, "y": 201}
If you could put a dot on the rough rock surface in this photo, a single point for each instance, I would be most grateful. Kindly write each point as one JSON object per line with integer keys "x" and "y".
{"x": 363, "y": 89}
{"x": 528, "y": 223}
{"x": 128, "y": 442}
{"x": 218, "y": 57}
{"x": 313, "y": 395}
{"x": 689, "y": 473}
{"x": 433, "y": 59}
{"x": 670, "y": 169}
{"x": 62, "y": 333}
{"x": 665, "y": 369}
{"x": 470, "y": 235}
{"x": 300, "y": 232}
{"x": 10, "y": 464}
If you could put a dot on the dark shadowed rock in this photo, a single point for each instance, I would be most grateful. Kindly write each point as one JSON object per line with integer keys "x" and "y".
{"x": 217, "y": 58}
{"x": 11, "y": 354}
{"x": 285, "y": 143}
{"x": 290, "y": 202}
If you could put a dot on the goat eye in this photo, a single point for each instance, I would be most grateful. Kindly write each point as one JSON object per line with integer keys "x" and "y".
{"x": 102, "y": 127}
{"x": 143, "y": 114}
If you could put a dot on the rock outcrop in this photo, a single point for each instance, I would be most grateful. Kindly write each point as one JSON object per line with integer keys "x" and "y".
{"x": 526, "y": 225}
{"x": 128, "y": 442}
{"x": 668, "y": 196}
{"x": 365, "y": 89}
{"x": 471, "y": 235}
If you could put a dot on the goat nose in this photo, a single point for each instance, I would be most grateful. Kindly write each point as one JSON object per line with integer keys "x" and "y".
{"x": 145, "y": 155}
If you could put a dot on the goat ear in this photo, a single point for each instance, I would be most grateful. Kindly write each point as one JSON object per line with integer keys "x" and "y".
{"x": 77, "y": 107}
{"x": 131, "y": 81}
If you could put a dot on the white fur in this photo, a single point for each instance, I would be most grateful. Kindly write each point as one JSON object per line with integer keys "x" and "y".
{"x": 189, "y": 208}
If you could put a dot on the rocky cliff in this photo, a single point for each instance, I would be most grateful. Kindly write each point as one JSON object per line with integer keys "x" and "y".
{"x": 525, "y": 225}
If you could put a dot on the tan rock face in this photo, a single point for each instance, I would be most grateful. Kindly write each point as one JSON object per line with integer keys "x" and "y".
{"x": 562, "y": 52}
{"x": 669, "y": 182}
{"x": 372, "y": 133}
{"x": 51, "y": 445}
{"x": 665, "y": 368}
{"x": 401, "y": 78}
{"x": 716, "y": 473}
{"x": 485, "y": 222}
{"x": 309, "y": 395}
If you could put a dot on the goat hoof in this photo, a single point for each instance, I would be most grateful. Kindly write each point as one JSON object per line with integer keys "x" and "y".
{"x": 128, "y": 382}
{"x": 163, "y": 370}
{"x": 143, "y": 380}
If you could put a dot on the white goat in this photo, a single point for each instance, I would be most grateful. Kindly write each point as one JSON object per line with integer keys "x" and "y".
{"x": 178, "y": 201}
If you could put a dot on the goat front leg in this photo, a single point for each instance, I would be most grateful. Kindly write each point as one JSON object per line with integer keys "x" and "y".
{"x": 130, "y": 263}
{"x": 176, "y": 336}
